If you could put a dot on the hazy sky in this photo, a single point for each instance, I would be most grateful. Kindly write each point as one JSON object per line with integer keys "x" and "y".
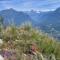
{"x": 42, "y": 5}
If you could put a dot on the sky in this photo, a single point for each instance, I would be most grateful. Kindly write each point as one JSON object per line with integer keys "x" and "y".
{"x": 25, "y": 5}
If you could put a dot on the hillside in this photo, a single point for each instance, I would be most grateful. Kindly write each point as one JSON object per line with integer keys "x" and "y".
{"x": 19, "y": 39}
{"x": 48, "y": 22}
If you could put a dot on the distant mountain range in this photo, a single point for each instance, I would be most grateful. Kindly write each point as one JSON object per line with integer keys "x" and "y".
{"x": 49, "y": 21}
{"x": 12, "y": 16}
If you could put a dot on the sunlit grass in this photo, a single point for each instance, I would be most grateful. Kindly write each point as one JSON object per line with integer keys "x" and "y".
{"x": 19, "y": 38}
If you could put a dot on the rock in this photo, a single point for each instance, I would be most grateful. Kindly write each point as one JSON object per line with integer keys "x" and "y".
{"x": 1, "y": 58}
{"x": 1, "y": 41}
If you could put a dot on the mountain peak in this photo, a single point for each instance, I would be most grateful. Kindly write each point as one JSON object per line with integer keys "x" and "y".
{"x": 11, "y": 9}
{"x": 58, "y": 9}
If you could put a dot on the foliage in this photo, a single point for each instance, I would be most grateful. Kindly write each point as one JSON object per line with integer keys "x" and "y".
{"x": 21, "y": 37}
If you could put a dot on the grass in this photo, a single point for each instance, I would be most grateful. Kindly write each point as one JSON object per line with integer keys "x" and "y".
{"x": 19, "y": 38}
